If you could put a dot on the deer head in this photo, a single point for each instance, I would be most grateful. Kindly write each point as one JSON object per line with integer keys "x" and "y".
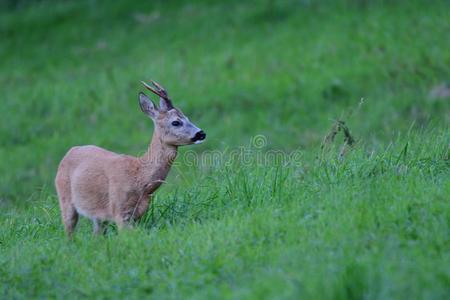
{"x": 173, "y": 126}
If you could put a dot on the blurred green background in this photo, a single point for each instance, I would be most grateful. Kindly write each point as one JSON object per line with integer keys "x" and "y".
{"x": 371, "y": 224}
{"x": 70, "y": 72}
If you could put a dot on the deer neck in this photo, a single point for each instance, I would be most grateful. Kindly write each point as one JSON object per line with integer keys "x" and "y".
{"x": 156, "y": 162}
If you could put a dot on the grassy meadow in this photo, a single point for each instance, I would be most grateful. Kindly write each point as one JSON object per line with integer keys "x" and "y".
{"x": 272, "y": 205}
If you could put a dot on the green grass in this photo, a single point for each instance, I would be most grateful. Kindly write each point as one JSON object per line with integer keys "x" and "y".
{"x": 373, "y": 224}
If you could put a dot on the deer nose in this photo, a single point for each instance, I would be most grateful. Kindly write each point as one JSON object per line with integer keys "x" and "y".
{"x": 199, "y": 136}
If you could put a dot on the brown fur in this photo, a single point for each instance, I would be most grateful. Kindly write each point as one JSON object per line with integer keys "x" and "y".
{"x": 106, "y": 186}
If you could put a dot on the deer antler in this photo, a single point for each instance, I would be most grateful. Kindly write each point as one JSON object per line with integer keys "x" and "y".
{"x": 157, "y": 89}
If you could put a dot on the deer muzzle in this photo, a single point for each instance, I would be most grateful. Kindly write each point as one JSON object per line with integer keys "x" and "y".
{"x": 199, "y": 136}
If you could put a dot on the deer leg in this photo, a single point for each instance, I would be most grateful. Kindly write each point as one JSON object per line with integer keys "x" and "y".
{"x": 70, "y": 219}
{"x": 122, "y": 209}
{"x": 98, "y": 227}
{"x": 122, "y": 223}
{"x": 141, "y": 207}
{"x": 68, "y": 212}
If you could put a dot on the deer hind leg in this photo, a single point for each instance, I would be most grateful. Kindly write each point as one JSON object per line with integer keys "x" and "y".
{"x": 70, "y": 219}
{"x": 68, "y": 212}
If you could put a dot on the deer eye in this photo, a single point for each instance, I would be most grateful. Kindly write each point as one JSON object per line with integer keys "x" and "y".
{"x": 177, "y": 123}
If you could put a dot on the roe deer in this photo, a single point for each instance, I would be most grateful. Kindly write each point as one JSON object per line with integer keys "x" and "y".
{"x": 106, "y": 186}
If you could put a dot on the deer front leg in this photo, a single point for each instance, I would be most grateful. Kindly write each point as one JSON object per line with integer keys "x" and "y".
{"x": 122, "y": 223}
{"x": 123, "y": 213}
{"x": 129, "y": 210}
{"x": 98, "y": 227}
{"x": 119, "y": 205}
{"x": 123, "y": 220}
{"x": 141, "y": 206}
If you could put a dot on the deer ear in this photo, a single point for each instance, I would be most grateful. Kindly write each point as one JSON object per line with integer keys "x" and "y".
{"x": 147, "y": 106}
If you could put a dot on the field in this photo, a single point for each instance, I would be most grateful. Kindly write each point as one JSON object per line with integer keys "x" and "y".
{"x": 272, "y": 205}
